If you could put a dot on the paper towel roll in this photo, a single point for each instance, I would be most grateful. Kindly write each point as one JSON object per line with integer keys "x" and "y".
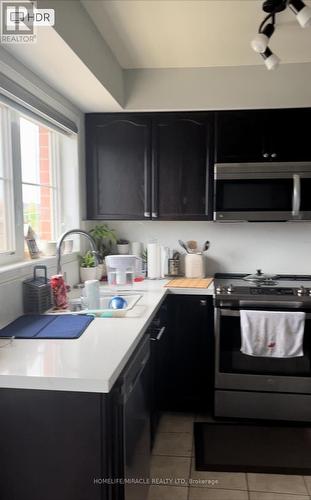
{"x": 153, "y": 261}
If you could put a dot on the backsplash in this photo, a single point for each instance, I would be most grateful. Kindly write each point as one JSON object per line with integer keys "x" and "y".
{"x": 11, "y": 295}
{"x": 236, "y": 247}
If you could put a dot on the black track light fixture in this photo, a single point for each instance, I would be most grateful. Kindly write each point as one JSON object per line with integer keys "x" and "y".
{"x": 301, "y": 11}
{"x": 266, "y": 29}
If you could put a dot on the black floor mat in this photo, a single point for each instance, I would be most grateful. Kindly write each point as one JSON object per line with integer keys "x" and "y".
{"x": 273, "y": 449}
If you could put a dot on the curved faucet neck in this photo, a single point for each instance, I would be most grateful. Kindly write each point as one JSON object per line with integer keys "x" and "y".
{"x": 62, "y": 238}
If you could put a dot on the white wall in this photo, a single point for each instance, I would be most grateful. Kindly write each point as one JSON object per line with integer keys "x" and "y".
{"x": 218, "y": 88}
{"x": 238, "y": 247}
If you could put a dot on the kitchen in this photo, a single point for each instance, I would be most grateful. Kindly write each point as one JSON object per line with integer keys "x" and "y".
{"x": 159, "y": 120}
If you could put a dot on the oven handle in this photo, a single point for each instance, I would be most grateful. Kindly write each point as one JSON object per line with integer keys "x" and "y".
{"x": 236, "y": 313}
{"x": 296, "y": 194}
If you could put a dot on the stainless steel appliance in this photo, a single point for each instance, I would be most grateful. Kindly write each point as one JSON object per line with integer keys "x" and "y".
{"x": 260, "y": 387}
{"x": 134, "y": 393}
{"x": 262, "y": 191}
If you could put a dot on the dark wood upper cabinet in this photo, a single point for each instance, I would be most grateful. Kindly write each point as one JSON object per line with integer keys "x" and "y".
{"x": 239, "y": 136}
{"x": 289, "y": 134}
{"x": 118, "y": 162}
{"x": 262, "y": 135}
{"x": 180, "y": 166}
{"x": 143, "y": 166}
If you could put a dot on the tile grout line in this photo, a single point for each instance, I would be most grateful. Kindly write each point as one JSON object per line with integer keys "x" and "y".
{"x": 305, "y": 483}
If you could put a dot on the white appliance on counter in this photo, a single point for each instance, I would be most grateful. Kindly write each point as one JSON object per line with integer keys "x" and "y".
{"x": 122, "y": 269}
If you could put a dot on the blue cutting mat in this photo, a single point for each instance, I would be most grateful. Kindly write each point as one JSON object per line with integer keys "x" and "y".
{"x": 36, "y": 326}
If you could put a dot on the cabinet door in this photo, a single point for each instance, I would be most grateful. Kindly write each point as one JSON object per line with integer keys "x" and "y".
{"x": 181, "y": 148}
{"x": 240, "y": 137}
{"x": 118, "y": 166}
{"x": 51, "y": 446}
{"x": 289, "y": 134}
{"x": 190, "y": 381}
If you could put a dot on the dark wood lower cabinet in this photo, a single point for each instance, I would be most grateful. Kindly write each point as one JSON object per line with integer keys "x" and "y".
{"x": 52, "y": 445}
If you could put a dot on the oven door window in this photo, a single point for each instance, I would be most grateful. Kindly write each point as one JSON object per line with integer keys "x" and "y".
{"x": 241, "y": 195}
{"x": 232, "y": 360}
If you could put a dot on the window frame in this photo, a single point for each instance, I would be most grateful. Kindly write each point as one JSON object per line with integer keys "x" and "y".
{"x": 11, "y": 151}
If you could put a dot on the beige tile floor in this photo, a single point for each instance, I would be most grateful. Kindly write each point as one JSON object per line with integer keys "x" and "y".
{"x": 175, "y": 478}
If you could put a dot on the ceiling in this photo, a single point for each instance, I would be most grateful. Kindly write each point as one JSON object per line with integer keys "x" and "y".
{"x": 192, "y": 33}
{"x": 56, "y": 63}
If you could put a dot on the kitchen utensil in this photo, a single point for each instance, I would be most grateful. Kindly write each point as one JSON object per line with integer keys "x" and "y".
{"x": 117, "y": 302}
{"x": 189, "y": 283}
{"x": 173, "y": 267}
{"x": 206, "y": 246}
{"x": 192, "y": 246}
{"x": 194, "y": 266}
{"x": 37, "y": 294}
{"x": 183, "y": 245}
{"x": 260, "y": 277}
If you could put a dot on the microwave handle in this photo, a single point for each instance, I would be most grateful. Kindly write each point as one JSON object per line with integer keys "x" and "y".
{"x": 296, "y": 194}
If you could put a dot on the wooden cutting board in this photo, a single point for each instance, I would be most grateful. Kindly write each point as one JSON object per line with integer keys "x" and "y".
{"x": 189, "y": 283}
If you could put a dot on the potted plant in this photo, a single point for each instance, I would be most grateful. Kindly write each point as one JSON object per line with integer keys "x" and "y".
{"x": 88, "y": 271}
{"x": 123, "y": 247}
{"x": 104, "y": 238}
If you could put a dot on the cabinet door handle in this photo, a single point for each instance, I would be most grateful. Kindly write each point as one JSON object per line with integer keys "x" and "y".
{"x": 274, "y": 155}
{"x": 296, "y": 195}
{"x": 265, "y": 155}
{"x": 158, "y": 337}
{"x": 154, "y": 215}
{"x": 147, "y": 214}
{"x": 203, "y": 303}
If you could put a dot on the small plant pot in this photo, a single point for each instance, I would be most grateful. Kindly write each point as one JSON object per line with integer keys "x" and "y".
{"x": 123, "y": 249}
{"x": 88, "y": 273}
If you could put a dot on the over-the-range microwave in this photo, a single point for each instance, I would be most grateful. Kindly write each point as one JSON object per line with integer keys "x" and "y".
{"x": 258, "y": 192}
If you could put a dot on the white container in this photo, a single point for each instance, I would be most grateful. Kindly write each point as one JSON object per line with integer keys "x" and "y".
{"x": 136, "y": 248}
{"x": 153, "y": 261}
{"x": 123, "y": 249}
{"x": 121, "y": 269}
{"x": 50, "y": 248}
{"x": 194, "y": 265}
{"x": 91, "y": 293}
{"x": 88, "y": 273}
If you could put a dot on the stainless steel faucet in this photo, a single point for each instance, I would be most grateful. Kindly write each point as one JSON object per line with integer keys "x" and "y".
{"x": 60, "y": 242}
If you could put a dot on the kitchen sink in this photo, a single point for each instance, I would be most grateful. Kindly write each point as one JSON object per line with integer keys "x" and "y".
{"x": 76, "y": 304}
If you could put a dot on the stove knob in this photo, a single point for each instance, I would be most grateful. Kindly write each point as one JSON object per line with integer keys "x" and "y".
{"x": 229, "y": 289}
{"x": 301, "y": 291}
{"x": 219, "y": 289}
{"x": 309, "y": 291}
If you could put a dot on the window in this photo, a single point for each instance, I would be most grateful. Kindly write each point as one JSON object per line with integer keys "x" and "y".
{"x": 7, "y": 240}
{"x": 38, "y": 183}
{"x": 39, "y": 179}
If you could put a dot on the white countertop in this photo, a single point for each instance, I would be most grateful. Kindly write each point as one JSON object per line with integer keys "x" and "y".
{"x": 93, "y": 362}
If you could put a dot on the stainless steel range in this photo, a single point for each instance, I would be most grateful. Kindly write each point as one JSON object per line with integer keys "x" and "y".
{"x": 260, "y": 387}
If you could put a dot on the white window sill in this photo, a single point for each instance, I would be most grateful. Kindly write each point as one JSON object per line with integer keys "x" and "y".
{"x": 20, "y": 270}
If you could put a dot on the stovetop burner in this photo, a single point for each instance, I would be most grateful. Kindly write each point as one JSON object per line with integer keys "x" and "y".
{"x": 280, "y": 285}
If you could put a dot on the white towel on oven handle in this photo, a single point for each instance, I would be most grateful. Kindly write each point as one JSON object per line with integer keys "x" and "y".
{"x": 272, "y": 334}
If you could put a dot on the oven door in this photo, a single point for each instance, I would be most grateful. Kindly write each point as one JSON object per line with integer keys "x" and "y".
{"x": 261, "y": 192}
{"x": 235, "y": 370}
